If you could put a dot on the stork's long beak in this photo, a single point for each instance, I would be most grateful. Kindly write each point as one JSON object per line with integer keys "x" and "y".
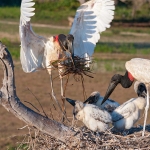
{"x": 70, "y": 48}
{"x": 70, "y": 39}
{"x": 72, "y": 102}
{"x": 110, "y": 89}
{"x": 87, "y": 100}
{"x": 90, "y": 100}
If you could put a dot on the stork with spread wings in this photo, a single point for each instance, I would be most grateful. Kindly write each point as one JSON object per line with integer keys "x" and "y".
{"x": 37, "y": 52}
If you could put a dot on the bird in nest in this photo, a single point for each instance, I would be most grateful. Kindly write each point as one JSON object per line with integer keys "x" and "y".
{"x": 92, "y": 116}
{"x": 96, "y": 99}
{"x": 127, "y": 114}
{"x": 68, "y": 53}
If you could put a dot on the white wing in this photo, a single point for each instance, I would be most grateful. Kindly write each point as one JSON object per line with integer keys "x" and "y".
{"x": 32, "y": 45}
{"x": 124, "y": 111}
{"x": 92, "y": 18}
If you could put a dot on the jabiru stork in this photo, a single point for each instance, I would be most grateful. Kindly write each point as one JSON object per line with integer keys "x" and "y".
{"x": 38, "y": 52}
{"x": 136, "y": 69}
{"x": 92, "y": 116}
{"x": 96, "y": 99}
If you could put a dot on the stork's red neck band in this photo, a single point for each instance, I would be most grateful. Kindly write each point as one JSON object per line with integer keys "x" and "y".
{"x": 56, "y": 38}
{"x": 130, "y": 76}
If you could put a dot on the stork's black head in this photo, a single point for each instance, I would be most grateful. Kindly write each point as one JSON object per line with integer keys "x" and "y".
{"x": 115, "y": 80}
{"x": 66, "y": 42}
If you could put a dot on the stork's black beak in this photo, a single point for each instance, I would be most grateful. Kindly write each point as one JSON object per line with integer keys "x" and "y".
{"x": 90, "y": 100}
{"x": 110, "y": 89}
{"x": 72, "y": 102}
{"x": 70, "y": 39}
{"x": 62, "y": 42}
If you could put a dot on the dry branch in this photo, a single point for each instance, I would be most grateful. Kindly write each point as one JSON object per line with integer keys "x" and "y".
{"x": 9, "y": 99}
{"x": 54, "y": 135}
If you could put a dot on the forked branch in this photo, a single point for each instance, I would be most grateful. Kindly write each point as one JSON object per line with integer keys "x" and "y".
{"x": 9, "y": 99}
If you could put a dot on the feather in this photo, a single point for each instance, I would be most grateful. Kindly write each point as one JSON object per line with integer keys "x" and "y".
{"x": 32, "y": 54}
{"x": 92, "y": 18}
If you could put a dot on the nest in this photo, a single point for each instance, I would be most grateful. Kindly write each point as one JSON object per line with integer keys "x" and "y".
{"x": 76, "y": 66}
{"x": 89, "y": 140}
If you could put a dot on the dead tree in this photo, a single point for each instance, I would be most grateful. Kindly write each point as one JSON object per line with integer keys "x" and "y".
{"x": 10, "y": 101}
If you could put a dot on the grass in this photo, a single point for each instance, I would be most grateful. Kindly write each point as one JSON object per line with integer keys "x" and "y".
{"x": 14, "y": 48}
{"x": 10, "y": 13}
{"x": 55, "y": 12}
{"x": 108, "y": 65}
{"x": 128, "y": 48}
{"x": 21, "y": 147}
{"x": 52, "y": 13}
{"x": 14, "y": 29}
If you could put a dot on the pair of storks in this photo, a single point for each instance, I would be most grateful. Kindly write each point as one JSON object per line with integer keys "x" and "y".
{"x": 92, "y": 18}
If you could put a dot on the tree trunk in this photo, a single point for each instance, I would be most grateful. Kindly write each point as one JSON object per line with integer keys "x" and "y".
{"x": 9, "y": 99}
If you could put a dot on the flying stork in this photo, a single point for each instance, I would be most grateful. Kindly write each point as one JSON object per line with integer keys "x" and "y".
{"x": 96, "y": 99}
{"x": 136, "y": 69}
{"x": 127, "y": 114}
{"x": 92, "y": 116}
{"x": 38, "y": 52}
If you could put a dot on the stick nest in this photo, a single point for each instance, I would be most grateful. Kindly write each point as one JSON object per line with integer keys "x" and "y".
{"x": 89, "y": 140}
{"x": 76, "y": 66}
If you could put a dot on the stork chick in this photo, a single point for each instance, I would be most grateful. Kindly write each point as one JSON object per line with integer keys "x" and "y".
{"x": 127, "y": 114}
{"x": 96, "y": 99}
{"x": 92, "y": 116}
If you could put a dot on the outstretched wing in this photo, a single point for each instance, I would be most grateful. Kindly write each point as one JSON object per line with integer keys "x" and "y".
{"x": 32, "y": 45}
{"x": 92, "y": 18}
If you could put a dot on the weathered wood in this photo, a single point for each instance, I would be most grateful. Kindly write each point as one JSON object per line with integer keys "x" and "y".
{"x": 9, "y": 99}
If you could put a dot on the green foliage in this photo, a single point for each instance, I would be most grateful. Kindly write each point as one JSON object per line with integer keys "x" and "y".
{"x": 128, "y": 48}
{"x": 123, "y": 12}
{"x": 11, "y": 13}
{"x": 12, "y": 47}
{"x": 20, "y": 147}
{"x": 55, "y": 11}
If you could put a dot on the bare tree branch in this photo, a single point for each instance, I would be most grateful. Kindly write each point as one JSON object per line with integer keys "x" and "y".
{"x": 9, "y": 99}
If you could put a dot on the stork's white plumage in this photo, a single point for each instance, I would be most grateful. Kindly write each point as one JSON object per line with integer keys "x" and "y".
{"x": 96, "y": 99}
{"x": 38, "y": 52}
{"x": 127, "y": 114}
{"x": 92, "y": 116}
{"x": 137, "y": 68}
{"x": 91, "y": 18}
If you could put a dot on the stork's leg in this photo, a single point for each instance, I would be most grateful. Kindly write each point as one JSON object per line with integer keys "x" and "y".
{"x": 62, "y": 94}
{"x": 60, "y": 70}
{"x": 146, "y": 111}
{"x": 54, "y": 97}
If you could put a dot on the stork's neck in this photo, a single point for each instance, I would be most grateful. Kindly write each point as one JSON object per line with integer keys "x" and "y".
{"x": 127, "y": 80}
{"x": 56, "y": 38}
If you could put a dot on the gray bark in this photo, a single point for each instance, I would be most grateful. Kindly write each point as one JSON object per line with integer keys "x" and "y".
{"x": 9, "y": 99}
